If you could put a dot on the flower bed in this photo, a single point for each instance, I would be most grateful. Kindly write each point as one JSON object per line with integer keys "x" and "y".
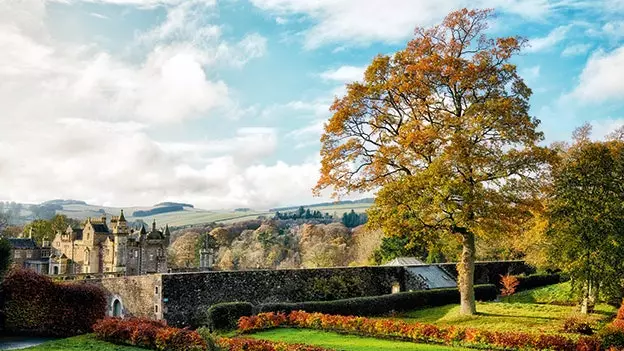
{"x": 417, "y": 332}
{"x": 244, "y": 344}
{"x": 149, "y": 334}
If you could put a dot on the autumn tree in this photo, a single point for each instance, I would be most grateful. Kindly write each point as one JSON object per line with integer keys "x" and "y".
{"x": 442, "y": 128}
{"x": 585, "y": 217}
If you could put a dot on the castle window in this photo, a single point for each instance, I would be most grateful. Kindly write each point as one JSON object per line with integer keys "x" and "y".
{"x": 29, "y": 254}
{"x": 136, "y": 253}
{"x": 155, "y": 308}
{"x": 155, "y": 290}
{"x": 17, "y": 254}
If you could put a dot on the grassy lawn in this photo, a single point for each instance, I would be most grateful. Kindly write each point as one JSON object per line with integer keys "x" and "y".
{"x": 79, "y": 343}
{"x": 527, "y": 317}
{"x": 343, "y": 342}
{"x": 558, "y": 294}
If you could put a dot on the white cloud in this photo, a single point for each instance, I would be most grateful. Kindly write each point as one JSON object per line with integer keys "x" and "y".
{"x": 365, "y": 21}
{"x": 77, "y": 122}
{"x": 602, "y": 128}
{"x": 344, "y": 74}
{"x": 530, "y": 74}
{"x": 614, "y": 30}
{"x": 549, "y": 41}
{"x": 98, "y": 15}
{"x": 602, "y": 78}
{"x": 142, "y": 3}
{"x": 576, "y": 50}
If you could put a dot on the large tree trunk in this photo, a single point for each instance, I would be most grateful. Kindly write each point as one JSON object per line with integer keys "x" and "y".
{"x": 465, "y": 270}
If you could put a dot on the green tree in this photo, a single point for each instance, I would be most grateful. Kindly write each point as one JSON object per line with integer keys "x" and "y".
{"x": 586, "y": 218}
{"x": 5, "y": 256}
{"x": 443, "y": 127}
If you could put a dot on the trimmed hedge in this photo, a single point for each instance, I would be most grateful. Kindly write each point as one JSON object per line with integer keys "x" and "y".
{"x": 34, "y": 304}
{"x": 245, "y": 344}
{"x": 381, "y": 305}
{"x": 537, "y": 280}
{"x": 224, "y": 316}
{"x": 149, "y": 334}
{"x": 418, "y": 332}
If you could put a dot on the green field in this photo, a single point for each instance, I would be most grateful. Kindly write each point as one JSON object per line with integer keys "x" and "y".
{"x": 526, "y": 317}
{"x": 344, "y": 342}
{"x": 80, "y": 343}
{"x": 193, "y": 216}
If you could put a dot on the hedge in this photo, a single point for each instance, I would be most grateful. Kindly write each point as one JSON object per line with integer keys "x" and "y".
{"x": 149, "y": 334}
{"x": 418, "y": 332}
{"x": 381, "y": 305}
{"x": 34, "y": 304}
{"x": 224, "y": 316}
{"x": 245, "y": 344}
{"x": 537, "y": 280}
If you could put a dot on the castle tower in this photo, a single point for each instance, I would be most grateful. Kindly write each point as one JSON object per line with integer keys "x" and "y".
{"x": 120, "y": 243}
{"x": 167, "y": 235}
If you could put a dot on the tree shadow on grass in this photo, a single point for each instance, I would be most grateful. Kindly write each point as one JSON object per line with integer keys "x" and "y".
{"x": 428, "y": 313}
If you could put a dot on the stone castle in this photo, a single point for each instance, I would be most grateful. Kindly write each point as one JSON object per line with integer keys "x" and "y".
{"x": 97, "y": 249}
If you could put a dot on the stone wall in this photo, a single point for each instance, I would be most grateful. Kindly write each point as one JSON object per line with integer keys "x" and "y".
{"x": 183, "y": 298}
{"x": 187, "y": 296}
{"x": 139, "y": 296}
{"x": 489, "y": 272}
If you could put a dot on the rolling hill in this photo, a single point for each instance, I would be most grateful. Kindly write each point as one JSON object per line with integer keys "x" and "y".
{"x": 176, "y": 214}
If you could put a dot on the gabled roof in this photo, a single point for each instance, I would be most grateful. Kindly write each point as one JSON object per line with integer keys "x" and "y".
{"x": 100, "y": 227}
{"x": 77, "y": 233}
{"x": 404, "y": 261}
{"x": 22, "y": 243}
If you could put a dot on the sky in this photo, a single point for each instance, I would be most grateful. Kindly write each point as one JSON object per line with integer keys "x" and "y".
{"x": 221, "y": 103}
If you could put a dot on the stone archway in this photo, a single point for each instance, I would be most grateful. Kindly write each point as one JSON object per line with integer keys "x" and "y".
{"x": 117, "y": 308}
{"x": 56, "y": 270}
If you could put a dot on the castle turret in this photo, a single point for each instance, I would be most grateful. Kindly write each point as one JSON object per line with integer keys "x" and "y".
{"x": 167, "y": 234}
{"x": 120, "y": 243}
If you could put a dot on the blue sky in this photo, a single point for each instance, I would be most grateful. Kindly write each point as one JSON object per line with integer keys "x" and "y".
{"x": 221, "y": 103}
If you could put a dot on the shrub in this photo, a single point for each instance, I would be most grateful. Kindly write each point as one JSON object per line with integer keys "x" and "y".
{"x": 537, "y": 280}
{"x": 148, "y": 334}
{"x": 612, "y": 337}
{"x": 34, "y": 304}
{"x": 244, "y": 344}
{"x": 509, "y": 283}
{"x": 577, "y": 326}
{"x": 210, "y": 339}
{"x": 224, "y": 316}
{"x": 381, "y": 305}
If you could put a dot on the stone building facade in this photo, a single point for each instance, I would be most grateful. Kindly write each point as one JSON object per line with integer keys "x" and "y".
{"x": 27, "y": 254}
{"x": 96, "y": 248}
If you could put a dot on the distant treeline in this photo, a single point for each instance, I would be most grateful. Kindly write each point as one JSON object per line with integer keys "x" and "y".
{"x": 157, "y": 210}
{"x": 325, "y": 204}
{"x": 301, "y": 213}
{"x": 167, "y": 204}
{"x": 353, "y": 219}
{"x": 62, "y": 202}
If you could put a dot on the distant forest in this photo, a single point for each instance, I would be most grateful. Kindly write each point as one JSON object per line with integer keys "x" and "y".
{"x": 325, "y": 204}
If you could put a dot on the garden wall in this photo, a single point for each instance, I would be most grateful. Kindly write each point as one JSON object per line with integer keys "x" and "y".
{"x": 489, "y": 272}
{"x": 137, "y": 296}
{"x": 183, "y": 298}
{"x": 187, "y": 296}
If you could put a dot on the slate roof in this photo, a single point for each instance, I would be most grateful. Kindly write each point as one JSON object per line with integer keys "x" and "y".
{"x": 404, "y": 261}
{"x": 77, "y": 233}
{"x": 155, "y": 235}
{"x": 100, "y": 227}
{"x": 22, "y": 243}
